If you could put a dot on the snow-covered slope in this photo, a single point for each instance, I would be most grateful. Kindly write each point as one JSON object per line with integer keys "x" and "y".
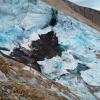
{"x": 95, "y": 4}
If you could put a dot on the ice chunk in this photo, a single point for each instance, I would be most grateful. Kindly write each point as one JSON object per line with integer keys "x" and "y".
{"x": 91, "y": 76}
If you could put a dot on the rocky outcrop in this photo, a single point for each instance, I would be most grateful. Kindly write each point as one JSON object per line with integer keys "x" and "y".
{"x": 22, "y": 91}
{"x": 89, "y": 13}
{"x": 53, "y": 21}
{"x": 45, "y": 47}
{"x": 22, "y": 83}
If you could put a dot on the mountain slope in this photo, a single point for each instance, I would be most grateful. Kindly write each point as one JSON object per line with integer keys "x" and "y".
{"x": 64, "y": 51}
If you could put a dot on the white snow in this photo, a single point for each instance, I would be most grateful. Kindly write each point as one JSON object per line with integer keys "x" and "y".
{"x": 95, "y": 4}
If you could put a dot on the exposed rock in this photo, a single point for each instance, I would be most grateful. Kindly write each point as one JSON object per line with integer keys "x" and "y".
{"x": 23, "y": 81}
{"x": 91, "y": 14}
{"x": 45, "y": 47}
{"x": 98, "y": 55}
{"x": 63, "y": 73}
{"x": 3, "y": 78}
{"x": 4, "y": 67}
{"x": 21, "y": 54}
{"x": 53, "y": 21}
{"x": 22, "y": 91}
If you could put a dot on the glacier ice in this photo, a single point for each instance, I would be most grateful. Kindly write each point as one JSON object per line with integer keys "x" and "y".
{"x": 79, "y": 42}
{"x": 19, "y": 19}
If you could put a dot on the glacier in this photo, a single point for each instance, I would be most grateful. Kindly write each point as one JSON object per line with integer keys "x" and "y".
{"x": 23, "y": 22}
{"x": 80, "y": 45}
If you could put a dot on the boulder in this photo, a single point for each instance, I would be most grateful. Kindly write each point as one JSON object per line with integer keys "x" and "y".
{"x": 45, "y": 47}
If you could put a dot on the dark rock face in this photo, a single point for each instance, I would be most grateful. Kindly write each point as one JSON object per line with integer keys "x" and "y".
{"x": 53, "y": 21}
{"x": 45, "y": 47}
{"x": 21, "y": 54}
